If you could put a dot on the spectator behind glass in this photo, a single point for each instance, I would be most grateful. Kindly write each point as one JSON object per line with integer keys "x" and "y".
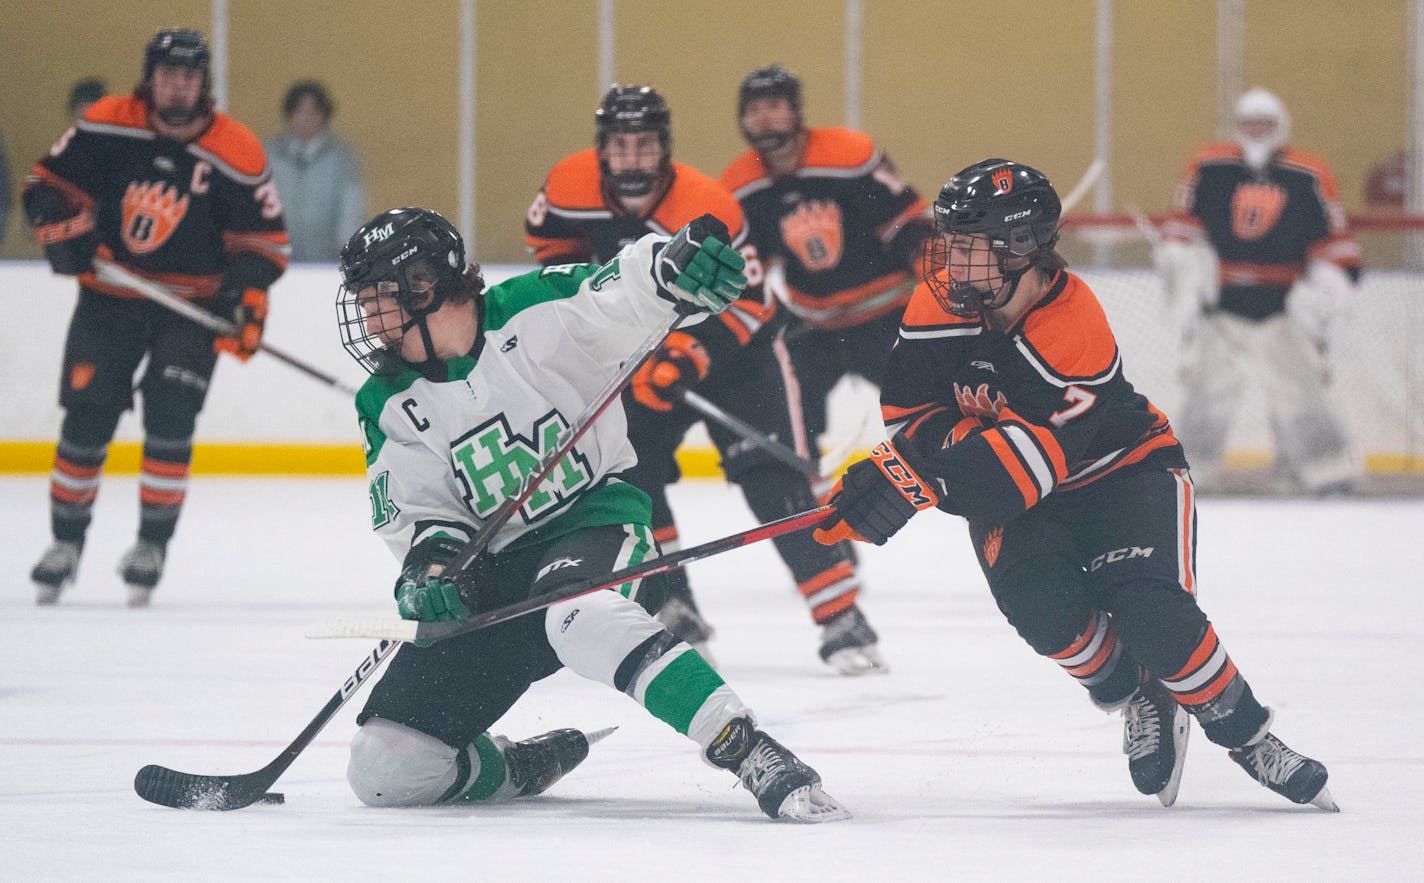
{"x": 1388, "y": 182}
{"x": 317, "y": 175}
{"x": 84, "y": 93}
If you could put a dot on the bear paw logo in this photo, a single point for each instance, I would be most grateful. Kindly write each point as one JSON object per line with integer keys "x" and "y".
{"x": 813, "y": 232}
{"x": 151, "y": 212}
{"x": 977, "y": 403}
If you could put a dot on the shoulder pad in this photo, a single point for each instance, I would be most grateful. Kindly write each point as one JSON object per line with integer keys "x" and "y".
{"x": 233, "y": 149}
{"x": 693, "y": 194}
{"x": 1071, "y": 334}
{"x": 574, "y": 182}
{"x": 1310, "y": 164}
{"x": 117, "y": 110}
{"x": 745, "y": 169}
{"x": 924, "y": 311}
{"x": 838, "y": 149}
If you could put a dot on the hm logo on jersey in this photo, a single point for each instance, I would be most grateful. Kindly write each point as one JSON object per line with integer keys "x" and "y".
{"x": 492, "y": 463}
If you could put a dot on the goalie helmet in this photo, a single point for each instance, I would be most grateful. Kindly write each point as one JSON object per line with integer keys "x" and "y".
{"x": 1011, "y": 211}
{"x": 632, "y": 109}
{"x": 179, "y": 47}
{"x": 1262, "y": 126}
{"x": 397, "y": 269}
{"x": 770, "y": 81}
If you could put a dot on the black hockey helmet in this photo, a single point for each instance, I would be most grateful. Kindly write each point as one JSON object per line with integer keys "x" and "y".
{"x": 770, "y": 81}
{"x": 409, "y": 262}
{"x": 1013, "y": 209}
{"x": 633, "y": 109}
{"x": 180, "y": 47}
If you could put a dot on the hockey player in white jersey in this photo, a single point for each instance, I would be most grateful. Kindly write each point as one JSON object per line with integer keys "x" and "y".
{"x": 469, "y": 387}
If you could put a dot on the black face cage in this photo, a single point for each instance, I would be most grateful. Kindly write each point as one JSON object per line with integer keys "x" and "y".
{"x": 374, "y": 315}
{"x": 968, "y": 299}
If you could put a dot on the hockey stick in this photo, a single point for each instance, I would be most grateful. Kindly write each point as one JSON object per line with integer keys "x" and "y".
{"x": 158, "y": 784}
{"x": 166, "y": 787}
{"x": 750, "y": 433}
{"x": 1090, "y": 178}
{"x": 424, "y": 633}
{"x": 113, "y": 274}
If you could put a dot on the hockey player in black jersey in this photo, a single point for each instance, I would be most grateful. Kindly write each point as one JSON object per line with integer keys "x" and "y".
{"x": 600, "y": 199}
{"x": 469, "y": 390}
{"x": 1006, "y": 403}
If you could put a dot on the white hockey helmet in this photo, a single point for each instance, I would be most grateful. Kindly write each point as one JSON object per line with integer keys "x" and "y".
{"x": 1262, "y": 126}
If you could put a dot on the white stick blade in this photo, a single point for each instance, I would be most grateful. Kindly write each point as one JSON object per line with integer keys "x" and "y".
{"x": 357, "y": 626}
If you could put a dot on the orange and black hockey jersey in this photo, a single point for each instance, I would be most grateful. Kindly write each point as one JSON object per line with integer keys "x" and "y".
{"x": 1264, "y": 227}
{"x": 1004, "y": 418}
{"x": 573, "y": 220}
{"x": 183, "y": 214}
{"x": 845, "y": 227}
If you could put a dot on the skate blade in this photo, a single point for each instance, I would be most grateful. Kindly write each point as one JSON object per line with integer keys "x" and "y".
{"x": 139, "y": 596}
{"x": 1181, "y": 729}
{"x": 809, "y": 805}
{"x": 47, "y": 596}
{"x": 856, "y": 661}
{"x": 1325, "y": 801}
{"x": 596, "y": 735}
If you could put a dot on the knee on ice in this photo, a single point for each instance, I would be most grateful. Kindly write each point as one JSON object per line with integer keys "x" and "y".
{"x": 394, "y": 765}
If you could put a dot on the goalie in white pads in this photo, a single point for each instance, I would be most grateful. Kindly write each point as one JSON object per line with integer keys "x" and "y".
{"x": 469, "y": 387}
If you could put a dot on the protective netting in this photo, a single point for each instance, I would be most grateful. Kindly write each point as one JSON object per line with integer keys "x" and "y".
{"x": 1375, "y": 351}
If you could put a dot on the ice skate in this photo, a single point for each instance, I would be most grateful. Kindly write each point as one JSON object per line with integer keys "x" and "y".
{"x": 141, "y": 568}
{"x": 55, "y": 570}
{"x": 849, "y": 644}
{"x": 1154, "y": 738}
{"x": 1290, "y": 774}
{"x": 538, "y": 762}
{"x": 785, "y": 788}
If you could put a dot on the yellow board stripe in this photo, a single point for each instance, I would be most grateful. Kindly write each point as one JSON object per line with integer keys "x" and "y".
{"x": 215, "y": 458}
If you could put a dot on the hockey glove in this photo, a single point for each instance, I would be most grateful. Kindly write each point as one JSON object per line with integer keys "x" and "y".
{"x": 678, "y": 364}
{"x": 876, "y": 498}
{"x": 699, "y": 267}
{"x": 425, "y": 592}
{"x": 65, "y": 230}
{"x": 249, "y": 314}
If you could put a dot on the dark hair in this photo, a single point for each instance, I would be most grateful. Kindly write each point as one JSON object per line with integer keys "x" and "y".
{"x": 86, "y": 91}
{"x": 303, "y": 88}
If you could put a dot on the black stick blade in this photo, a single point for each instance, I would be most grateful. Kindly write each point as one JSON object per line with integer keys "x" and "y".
{"x": 165, "y": 787}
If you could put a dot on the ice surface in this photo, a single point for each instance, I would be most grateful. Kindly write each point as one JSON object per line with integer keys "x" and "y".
{"x": 972, "y": 759}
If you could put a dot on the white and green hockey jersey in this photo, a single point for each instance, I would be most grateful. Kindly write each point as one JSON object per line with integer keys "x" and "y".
{"x": 441, "y": 455}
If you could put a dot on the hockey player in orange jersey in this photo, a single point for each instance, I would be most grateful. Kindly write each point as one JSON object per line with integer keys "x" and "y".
{"x": 1285, "y": 266}
{"x": 1006, "y": 403}
{"x": 180, "y": 194}
{"x": 591, "y": 205}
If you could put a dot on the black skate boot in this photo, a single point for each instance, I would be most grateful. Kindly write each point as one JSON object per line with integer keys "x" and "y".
{"x": 1290, "y": 774}
{"x": 850, "y": 645}
{"x": 536, "y": 763}
{"x": 55, "y": 570}
{"x": 1154, "y": 738}
{"x": 785, "y": 788}
{"x": 141, "y": 568}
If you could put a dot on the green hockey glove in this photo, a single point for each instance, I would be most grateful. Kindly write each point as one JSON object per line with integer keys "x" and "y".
{"x": 700, "y": 268}
{"x": 425, "y": 591}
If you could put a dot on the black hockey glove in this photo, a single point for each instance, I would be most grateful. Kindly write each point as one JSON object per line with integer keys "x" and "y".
{"x": 64, "y": 229}
{"x": 248, "y": 310}
{"x": 699, "y": 267}
{"x": 876, "y": 498}
{"x": 425, "y": 591}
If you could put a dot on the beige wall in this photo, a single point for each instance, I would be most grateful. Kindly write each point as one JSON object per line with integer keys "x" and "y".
{"x": 944, "y": 84}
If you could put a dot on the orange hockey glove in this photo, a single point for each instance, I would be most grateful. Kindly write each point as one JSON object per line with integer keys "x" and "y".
{"x": 876, "y": 498}
{"x": 678, "y": 364}
{"x": 249, "y": 314}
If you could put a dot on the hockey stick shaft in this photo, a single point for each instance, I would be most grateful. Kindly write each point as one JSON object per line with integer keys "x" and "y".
{"x": 610, "y": 393}
{"x": 166, "y": 787}
{"x": 750, "y": 433}
{"x": 113, "y": 274}
{"x": 1085, "y": 183}
{"x": 390, "y": 628}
